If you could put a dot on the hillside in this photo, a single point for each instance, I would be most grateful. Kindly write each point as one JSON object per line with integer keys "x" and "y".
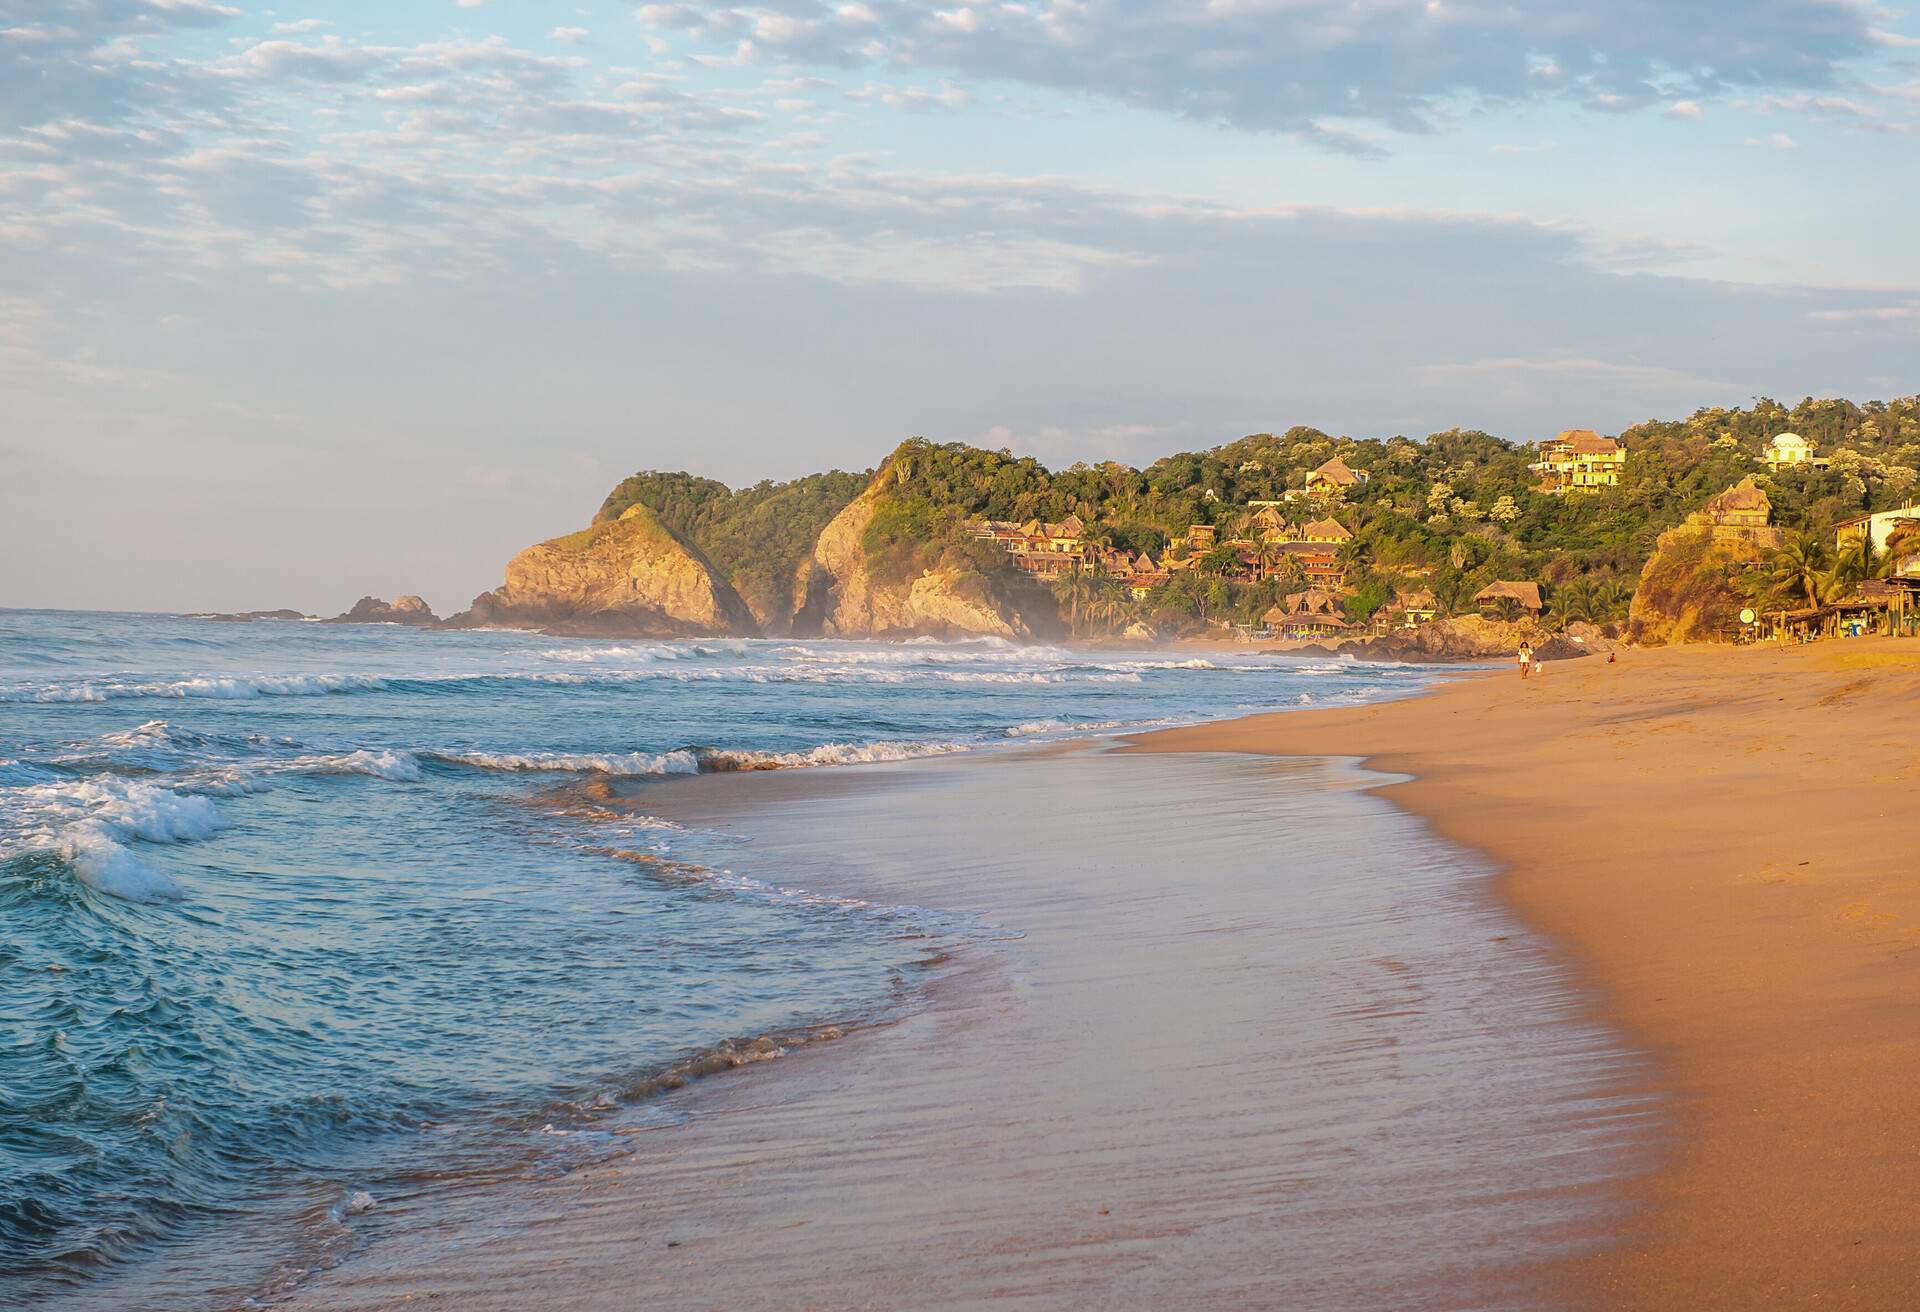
{"x": 1448, "y": 514}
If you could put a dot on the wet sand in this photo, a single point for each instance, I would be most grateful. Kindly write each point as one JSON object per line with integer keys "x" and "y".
{"x": 1201, "y": 1031}
{"x": 1723, "y": 839}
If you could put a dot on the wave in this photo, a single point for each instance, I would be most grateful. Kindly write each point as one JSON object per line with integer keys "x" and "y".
{"x": 696, "y": 760}
{"x": 400, "y": 767}
{"x": 86, "y": 824}
{"x": 827, "y": 754}
{"x": 614, "y": 763}
{"x": 224, "y": 687}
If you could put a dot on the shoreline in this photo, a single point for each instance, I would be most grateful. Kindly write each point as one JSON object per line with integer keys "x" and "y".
{"x": 1712, "y": 835}
{"x": 1160, "y": 1071}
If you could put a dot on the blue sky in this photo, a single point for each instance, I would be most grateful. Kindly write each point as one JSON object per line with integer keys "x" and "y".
{"x": 301, "y": 303}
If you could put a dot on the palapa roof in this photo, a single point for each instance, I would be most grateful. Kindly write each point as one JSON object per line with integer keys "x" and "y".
{"x": 1743, "y": 496}
{"x": 1071, "y": 526}
{"x": 1337, "y": 472}
{"x": 1583, "y": 442}
{"x": 1312, "y": 601}
{"x": 1526, "y": 593}
{"x": 1326, "y": 528}
{"x": 1419, "y": 599}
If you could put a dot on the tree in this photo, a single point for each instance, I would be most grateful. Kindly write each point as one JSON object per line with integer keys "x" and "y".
{"x": 1074, "y": 590}
{"x": 1799, "y": 570}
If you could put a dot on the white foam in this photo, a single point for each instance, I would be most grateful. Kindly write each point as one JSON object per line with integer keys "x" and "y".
{"x": 401, "y": 767}
{"x": 831, "y": 754}
{"x": 224, "y": 687}
{"x": 87, "y": 822}
{"x": 109, "y": 868}
{"x": 616, "y": 763}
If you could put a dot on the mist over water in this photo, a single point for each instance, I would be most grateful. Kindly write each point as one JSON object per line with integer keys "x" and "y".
{"x": 299, "y": 915}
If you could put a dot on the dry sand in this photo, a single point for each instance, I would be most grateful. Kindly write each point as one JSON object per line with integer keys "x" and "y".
{"x": 1724, "y": 839}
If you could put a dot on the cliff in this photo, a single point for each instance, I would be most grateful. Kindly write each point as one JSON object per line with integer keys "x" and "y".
{"x": 842, "y": 591}
{"x": 1685, "y": 592}
{"x": 627, "y": 577}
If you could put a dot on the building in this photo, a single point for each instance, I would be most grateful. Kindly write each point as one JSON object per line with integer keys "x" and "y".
{"x": 1330, "y": 531}
{"x": 1318, "y": 564}
{"x": 1334, "y": 476}
{"x": 1525, "y": 594}
{"x": 1200, "y": 538}
{"x": 1879, "y": 527}
{"x": 1791, "y": 451}
{"x": 1415, "y": 608}
{"x": 1743, "y": 513}
{"x": 1314, "y": 613}
{"x": 1579, "y": 460}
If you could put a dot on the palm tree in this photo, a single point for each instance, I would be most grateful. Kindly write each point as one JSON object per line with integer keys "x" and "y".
{"x": 1109, "y": 601}
{"x": 1074, "y": 589}
{"x": 1265, "y": 556}
{"x": 1856, "y": 561}
{"x": 1571, "y": 602}
{"x": 1799, "y": 570}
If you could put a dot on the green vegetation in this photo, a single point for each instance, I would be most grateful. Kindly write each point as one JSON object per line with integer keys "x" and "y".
{"x": 1449, "y": 513}
{"x": 755, "y": 536}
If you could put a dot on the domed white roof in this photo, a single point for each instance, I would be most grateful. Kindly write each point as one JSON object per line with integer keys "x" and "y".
{"x": 1786, "y": 440}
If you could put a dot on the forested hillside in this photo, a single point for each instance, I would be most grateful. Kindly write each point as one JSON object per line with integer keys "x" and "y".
{"x": 1456, "y": 509}
{"x": 755, "y": 536}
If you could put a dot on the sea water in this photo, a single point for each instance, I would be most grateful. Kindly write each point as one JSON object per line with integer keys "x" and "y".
{"x": 300, "y": 913}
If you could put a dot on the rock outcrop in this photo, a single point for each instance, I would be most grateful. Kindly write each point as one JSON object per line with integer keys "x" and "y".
{"x": 1686, "y": 592}
{"x": 627, "y": 577}
{"x": 837, "y": 593}
{"x": 401, "y": 610}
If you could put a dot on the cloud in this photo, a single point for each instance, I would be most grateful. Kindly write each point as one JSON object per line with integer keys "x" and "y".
{"x": 1777, "y": 141}
{"x": 567, "y": 34}
{"x": 1684, "y": 109}
{"x": 1319, "y": 68}
{"x": 1902, "y": 312}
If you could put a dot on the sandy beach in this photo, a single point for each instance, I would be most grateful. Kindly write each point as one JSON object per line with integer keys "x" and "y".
{"x": 1718, "y": 836}
{"x": 1196, "y": 1031}
{"x": 1153, "y": 1066}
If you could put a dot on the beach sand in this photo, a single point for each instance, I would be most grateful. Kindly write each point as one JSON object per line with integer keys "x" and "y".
{"x": 1199, "y": 1031}
{"x": 1723, "y": 840}
{"x": 1193, "y": 1084}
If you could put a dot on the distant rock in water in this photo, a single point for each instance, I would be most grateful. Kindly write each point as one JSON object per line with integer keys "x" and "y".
{"x": 401, "y": 610}
{"x": 626, "y": 577}
{"x": 248, "y": 616}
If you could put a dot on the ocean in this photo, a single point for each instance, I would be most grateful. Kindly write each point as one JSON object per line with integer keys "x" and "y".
{"x": 300, "y": 915}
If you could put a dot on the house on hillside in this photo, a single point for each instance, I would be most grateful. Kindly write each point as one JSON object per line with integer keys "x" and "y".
{"x": 1329, "y": 531}
{"x": 1879, "y": 527}
{"x": 1200, "y": 538}
{"x": 1414, "y": 608}
{"x": 1298, "y": 618}
{"x": 1791, "y": 451}
{"x": 1269, "y": 523}
{"x": 1334, "y": 476}
{"x": 1743, "y": 513}
{"x": 1318, "y": 564}
{"x": 1524, "y": 594}
{"x": 1579, "y": 460}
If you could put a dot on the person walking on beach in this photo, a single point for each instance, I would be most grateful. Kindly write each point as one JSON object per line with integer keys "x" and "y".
{"x": 1526, "y": 659}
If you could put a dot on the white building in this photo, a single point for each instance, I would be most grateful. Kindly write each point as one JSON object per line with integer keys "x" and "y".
{"x": 1791, "y": 451}
{"x": 1879, "y": 527}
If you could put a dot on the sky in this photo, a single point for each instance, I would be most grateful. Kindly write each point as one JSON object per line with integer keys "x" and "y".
{"x": 301, "y": 303}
